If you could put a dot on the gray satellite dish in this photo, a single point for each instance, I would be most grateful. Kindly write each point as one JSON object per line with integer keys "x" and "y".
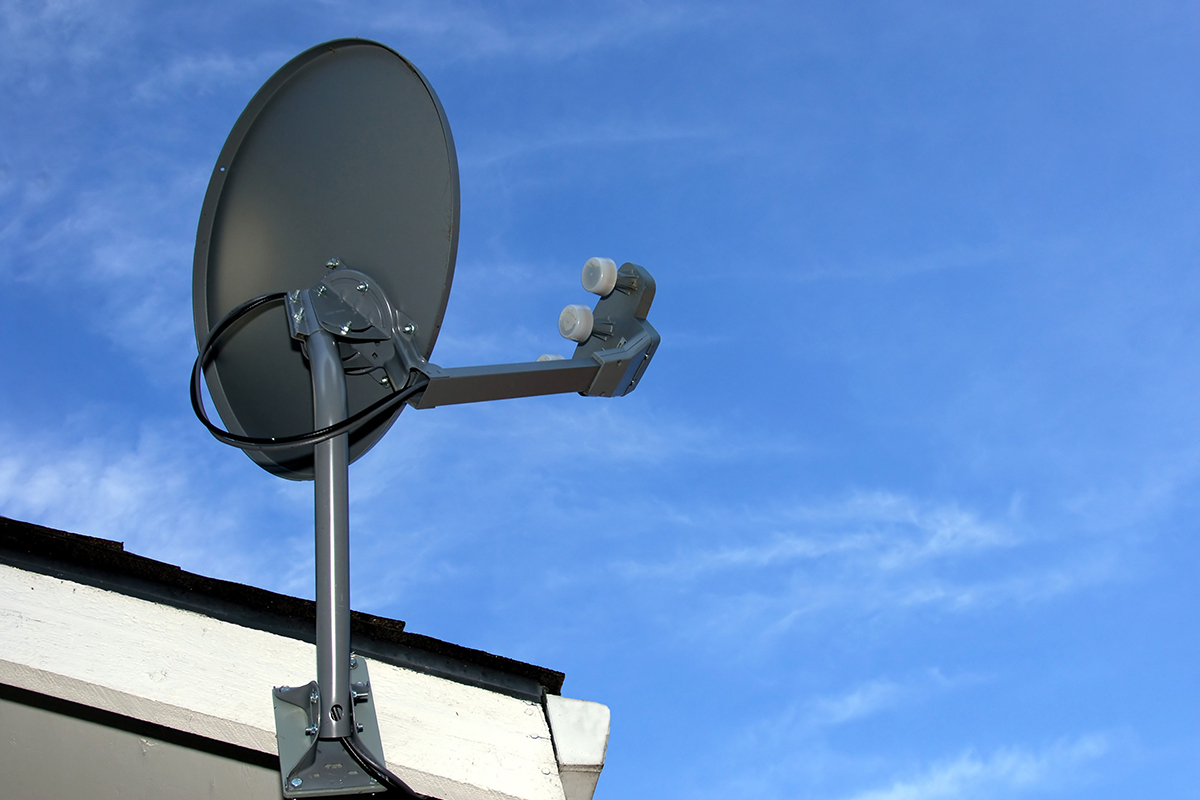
{"x": 323, "y": 265}
{"x": 344, "y": 153}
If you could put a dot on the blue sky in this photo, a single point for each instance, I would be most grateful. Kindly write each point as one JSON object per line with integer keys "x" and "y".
{"x": 904, "y": 508}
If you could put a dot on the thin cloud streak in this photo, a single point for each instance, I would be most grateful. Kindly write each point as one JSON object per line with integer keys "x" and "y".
{"x": 77, "y": 32}
{"x": 1000, "y": 774}
{"x": 162, "y": 498}
{"x": 773, "y": 611}
{"x": 863, "y": 701}
{"x": 888, "y": 530}
{"x": 879, "y": 695}
{"x": 471, "y": 33}
{"x": 198, "y": 74}
{"x": 113, "y": 248}
{"x": 539, "y": 438}
{"x": 961, "y": 258}
{"x": 1035, "y": 586}
{"x": 876, "y": 555}
{"x": 498, "y": 149}
{"x": 806, "y": 720}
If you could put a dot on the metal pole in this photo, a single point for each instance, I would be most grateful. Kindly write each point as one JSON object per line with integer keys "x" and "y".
{"x": 331, "y": 473}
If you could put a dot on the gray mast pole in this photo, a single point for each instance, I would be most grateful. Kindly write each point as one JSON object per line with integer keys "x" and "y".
{"x": 331, "y": 474}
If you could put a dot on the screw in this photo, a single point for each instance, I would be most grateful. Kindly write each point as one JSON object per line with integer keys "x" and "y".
{"x": 312, "y": 698}
{"x": 353, "y": 662}
{"x": 410, "y": 329}
{"x": 311, "y": 730}
{"x": 384, "y": 380}
{"x": 362, "y": 287}
{"x": 296, "y": 782}
{"x": 346, "y": 328}
{"x": 321, "y": 289}
{"x": 333, "y": 263}
{"x": 299, "y": 315}
{"x": 294, "y": 294}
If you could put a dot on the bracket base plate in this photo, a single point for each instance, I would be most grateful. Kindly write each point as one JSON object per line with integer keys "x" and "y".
{"x": 309, "y": 766}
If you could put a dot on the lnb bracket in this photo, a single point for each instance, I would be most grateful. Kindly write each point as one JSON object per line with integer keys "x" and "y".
{"x": 377, "y": 339}
{"x": 609, "y": 363}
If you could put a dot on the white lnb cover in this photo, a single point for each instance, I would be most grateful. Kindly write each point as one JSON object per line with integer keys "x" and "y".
{"x": 600, "y": 276}
{"x": 575, "y": 323}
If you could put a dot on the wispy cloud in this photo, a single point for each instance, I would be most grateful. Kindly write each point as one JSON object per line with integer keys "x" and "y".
{"x": 162, "y": 495}
{"x": 1000, "y": 774}
{"x": 888, "y": 531}
{"x": 879, "y": 695}
{"x": 474, "y": 31}
{"x": 1038, "y": 585}
{"x": 862, "y": 701}
{"x": 34, "y": 33}
{"x": 958, "y": 258}
{"x": 875, "y": 554}
{"x": 895, "y": 267}
{"x": 120, "y": 257}
{"x": 539, "y": 438}
{"x": 195, "y": 74}
{"x": 803, "y": 720}
{"x": 580, "y": 135}
{"x": 806, "y": 721}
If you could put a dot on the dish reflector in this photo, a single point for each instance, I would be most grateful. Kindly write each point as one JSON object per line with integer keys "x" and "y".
{"x": 345, "y": 153}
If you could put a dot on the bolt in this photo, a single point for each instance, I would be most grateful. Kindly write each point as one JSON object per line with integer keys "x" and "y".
{"x": 358, "y": 727}
{"x": 410, "y": 329}
{"x": 362, "y": 287}
{"x": 314, "y": 697}
{"x": 346, "y": 328}
{"x": 353, "y": 662}
{"x": 384, "y": 380}
{"x": 296, "y": 782}
{"x": 299, "y": 315}
{"x": 311, "y": 730}
{"x": 333, "y": 263}
{"x": 294, "y": 294}
{"x": 321, "y": 289}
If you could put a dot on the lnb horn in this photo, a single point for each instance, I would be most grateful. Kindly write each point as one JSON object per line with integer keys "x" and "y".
{"x": 576, "y": 323}
{"x": 600, "y": 276}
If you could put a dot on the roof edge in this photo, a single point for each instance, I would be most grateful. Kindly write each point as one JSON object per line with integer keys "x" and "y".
{"x": 106, "y": 564}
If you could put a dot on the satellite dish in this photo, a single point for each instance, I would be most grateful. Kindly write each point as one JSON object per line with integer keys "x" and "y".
{"x": 323, "y": 264}
{"x": 345, "y": 153}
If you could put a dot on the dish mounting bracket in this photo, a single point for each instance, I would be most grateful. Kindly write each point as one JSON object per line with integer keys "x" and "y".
{"x": 311, "y": 766}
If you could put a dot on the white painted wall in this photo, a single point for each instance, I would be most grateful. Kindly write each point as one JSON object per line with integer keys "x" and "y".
{"x": 196, "y": 674}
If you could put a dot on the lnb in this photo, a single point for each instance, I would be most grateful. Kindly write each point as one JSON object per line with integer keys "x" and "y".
{"x": 599, "y": 277}
{"x": 576, "y": 323}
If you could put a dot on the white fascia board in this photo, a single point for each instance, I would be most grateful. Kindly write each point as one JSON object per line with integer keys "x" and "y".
{"x": 200, "y": 675}
{"x": 580, "y": 729}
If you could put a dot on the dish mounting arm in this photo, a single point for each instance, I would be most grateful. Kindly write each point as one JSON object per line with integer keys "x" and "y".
{"x": 614, "y": 348}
